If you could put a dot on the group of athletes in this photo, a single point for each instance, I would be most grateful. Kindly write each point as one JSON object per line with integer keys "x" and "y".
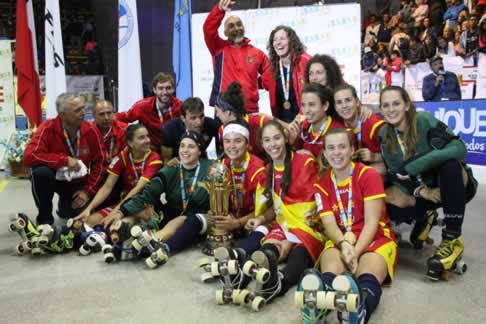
{"x": 314, "y": 186}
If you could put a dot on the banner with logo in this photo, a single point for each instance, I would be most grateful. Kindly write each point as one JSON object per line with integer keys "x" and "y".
{"x": 7, "y": 94}
{"x": 129, "y": 66}
{"x": 481, "y": 84}
{"x": 468, "y": 120}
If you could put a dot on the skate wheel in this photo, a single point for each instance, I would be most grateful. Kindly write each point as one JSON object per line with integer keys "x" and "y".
{"x": 107, "y": 248}
{"x": 215, "y": 269}
{"x": 461, "y": 267}
{"x": 262, "y": 275}
{"x": 136, "y": 231}
{"x": 206, "y": 277}
{"x": 232, "y": 267}
{"x": 321, "y": 300}
{"x": 352, "y": 302}
{"x": 27, "y": 245}
{"x": 115, "y": 238}
{"x": 84, "y": 250}
{"x": 109, "y": 257}
{"x": 136, "y": 245}
{"x": 257, "y": 303}
{"x": 234, "y": 295}
{"x": 150, "y": 263}
{"x": 36, "y": 251}
{"x": 203, "y": 262}
{"x": 19, "y": 249}
{"x": 248, "y": 267}
{"x": 241, "y": 298}
{"x": 341, "y": 283}
{"x": 330, "y": 300}
{"x": 220, "y": 297}
{"x": 147, "y": 236}
{"x": 299, "y": 299}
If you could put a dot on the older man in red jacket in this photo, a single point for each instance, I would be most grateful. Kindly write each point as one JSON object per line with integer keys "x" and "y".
{"x": 235, "y": 59}
{"x": 60, "y": 152}
{"x": 154, "y": 112}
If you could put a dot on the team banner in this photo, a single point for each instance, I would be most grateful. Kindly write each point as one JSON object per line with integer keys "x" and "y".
{"x": 481, "y": 84}
{"x": 7, "y": 94}
{"x": 468, "y": 120}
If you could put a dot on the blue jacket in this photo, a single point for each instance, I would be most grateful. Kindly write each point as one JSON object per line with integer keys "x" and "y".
{"x": 448, "y": 89}
{"x": 453, "y": 13}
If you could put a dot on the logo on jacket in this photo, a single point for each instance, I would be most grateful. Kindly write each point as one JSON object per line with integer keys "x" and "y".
{"x": 125, "y": 23}
{"x": 250, "y": 59}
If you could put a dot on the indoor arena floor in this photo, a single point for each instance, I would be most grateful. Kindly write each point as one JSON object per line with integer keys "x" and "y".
{"x": 71, "y": 288}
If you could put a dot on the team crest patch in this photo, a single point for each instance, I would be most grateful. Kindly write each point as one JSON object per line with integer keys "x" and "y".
{"x": 84, "y": 151}
{"x": 113, "y": 162}
{"x": 250, "y": 59}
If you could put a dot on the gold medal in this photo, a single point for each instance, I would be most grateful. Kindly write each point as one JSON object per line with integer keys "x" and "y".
{"x": 350, "y": 237}
{"x": 287, "y": 105}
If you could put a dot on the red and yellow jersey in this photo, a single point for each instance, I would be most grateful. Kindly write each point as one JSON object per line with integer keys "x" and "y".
{"x": 130, "y": 173}
{"x": 114, "y": 140}
{"x": 248, "y": 186}
{"x": 296, "y": 210}
{"x": 366, "y": 185}
{"x": 312, "y": 140}
{"x": 369, "y": 133}
{"x": 255, "y": 121}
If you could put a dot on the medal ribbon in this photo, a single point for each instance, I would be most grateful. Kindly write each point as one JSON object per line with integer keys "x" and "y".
{"x": 112, "y": 145}
{"x": 161, "y": 112}
{"x": 311, "y": 130}
{"x": 70, "y": 144}
{"x": 277, "y": 205}
{"x": 285, "y": 81}
{"x": 359, "y": 133}
{"x": 185, "y": 198}
{"x": 346, "y": 219}
{"x": 132, "y": 161}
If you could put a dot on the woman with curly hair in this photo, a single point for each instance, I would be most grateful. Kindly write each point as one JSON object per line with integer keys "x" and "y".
{"x": 324, "y": 70}
{"x": 288, "y": 59}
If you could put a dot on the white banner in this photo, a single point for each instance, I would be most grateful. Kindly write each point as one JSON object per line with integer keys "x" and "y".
{"x": 55, "y": 70}
{"x": 481, "y": 84}
{"x": 90, "y": 87}
{"x": 371, "y": 85}
{"x": 324, "y": 29}
{"x": 129, "y": 67}
{"x": 7, "y": 95}
{"x": 414, "y": 78}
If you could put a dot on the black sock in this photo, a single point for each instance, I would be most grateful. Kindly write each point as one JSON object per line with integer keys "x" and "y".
{"x": 185, "y": 235}
{"x": 453, "y": 195}
{"x": 251, "y": 243}
{"x": 371, "y": 289}
{"x": 400, "y": 215}
{"x": 299, "y": 260}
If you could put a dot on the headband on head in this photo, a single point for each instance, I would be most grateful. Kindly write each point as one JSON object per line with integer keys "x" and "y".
{"x": 223, "y": 105}
{"x": 196, "y": 137}
{"x": 238, "y": 129}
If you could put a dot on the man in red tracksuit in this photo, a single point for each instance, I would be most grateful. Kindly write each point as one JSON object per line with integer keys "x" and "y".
{"x": 112, "y": 130}
{"x": 235, "y": 59}
{"x": 65, "y": 141}
{"x": 156, "y": 111}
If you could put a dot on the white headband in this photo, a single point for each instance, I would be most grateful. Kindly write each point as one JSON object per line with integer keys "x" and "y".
{"x": 238, "y": 129}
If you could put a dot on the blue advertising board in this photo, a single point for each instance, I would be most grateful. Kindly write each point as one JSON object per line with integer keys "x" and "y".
{"x": 467, "y": 119}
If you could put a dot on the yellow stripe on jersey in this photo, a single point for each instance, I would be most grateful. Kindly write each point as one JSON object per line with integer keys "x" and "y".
{"x": 310, "y": 159}
{"x": 262, "y": 119}
{"x": 325, "y": 214}
{"x": 145, "y": 179}
{"x": 256, "y": 173}
{"x": 260, "y": 208}
{"x": 362, "y": 171}
{"x": 375, "y": 126}
{"x": 374, "y": 197}
{"x": 154, "y": 162}
{"x": 316, "y": 185}
{"x": 111, "y": 172}
{"x": 386, "y": 230}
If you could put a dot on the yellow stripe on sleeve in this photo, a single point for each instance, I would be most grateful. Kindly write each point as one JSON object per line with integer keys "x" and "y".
{"x": 375, "y": 126}
{"x": 375, "y": 197}
{"x": 112, "y": 173}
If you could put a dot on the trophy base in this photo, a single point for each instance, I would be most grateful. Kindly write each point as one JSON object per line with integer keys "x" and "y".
{"x": 215, "y": 241}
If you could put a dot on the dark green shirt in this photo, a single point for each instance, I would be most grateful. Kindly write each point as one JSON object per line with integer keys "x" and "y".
{"x": 165, "y": 185}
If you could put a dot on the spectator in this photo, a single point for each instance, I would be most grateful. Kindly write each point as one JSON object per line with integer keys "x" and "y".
{"x": 458, "y": 51}
{"x": 469, "y": 39}
{"x": 440, "y": 84}
{"x": 400, "y": 41}
{"x": 480, "y": 7}
{"x": 394, "y": 64}
{"x": 385, "y": 30}
{"x": 372, "y": 30}
{"x": 422, "y": 10}
{"x": 437, "y": 9}
{"x": 482, "y": 34}
{"x": 428, "y": 30}
{"x": 373, "y": 45}
{"x": 463, "y": 16}
{"x": 463, "y": 26}
{"x": 452, "y": 13}
{"x": 369, "y": 62}
{"x": 445, "y": 48}
{"x": 430, "y": 47}
{"x": 416, "y": 52}
{"x": 448, "y": 34}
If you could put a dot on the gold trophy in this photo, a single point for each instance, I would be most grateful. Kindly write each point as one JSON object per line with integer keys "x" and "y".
{"x": 219, "y": 188}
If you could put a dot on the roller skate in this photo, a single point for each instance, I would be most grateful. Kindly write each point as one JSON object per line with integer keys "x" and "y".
{"x": 26, "y": 229}
{"x": 263, "y": 268}
{"x": 144, "y": 240}
{"x": 121, "y": 247}
{"x": 347, "y": 299}
{"x": 226, "y": 267}
{"x": 47, "y": 235}
{"x": 447, "y": 258}
{"x": 310, "y": 297}
{"x": 94, "y": 243}
{"x": 421, "y": 230}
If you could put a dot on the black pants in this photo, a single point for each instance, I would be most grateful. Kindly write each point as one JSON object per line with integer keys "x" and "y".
{"x": 44, "y": 185}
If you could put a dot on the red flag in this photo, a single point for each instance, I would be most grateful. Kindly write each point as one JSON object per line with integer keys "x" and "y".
{"x": 28, "y": 87}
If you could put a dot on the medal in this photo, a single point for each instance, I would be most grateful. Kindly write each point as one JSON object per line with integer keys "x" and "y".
{"x": 287, "y": 105}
